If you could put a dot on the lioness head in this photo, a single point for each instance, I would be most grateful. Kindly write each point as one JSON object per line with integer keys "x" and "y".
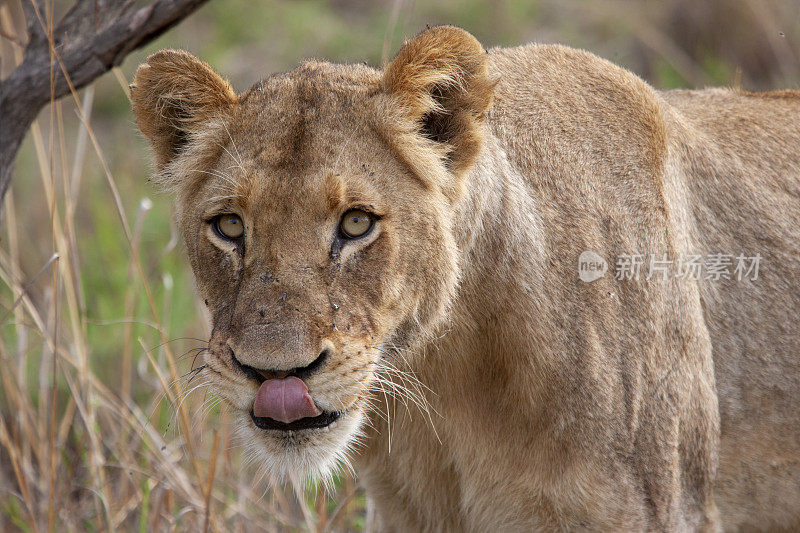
{"x": 316, "y": 209}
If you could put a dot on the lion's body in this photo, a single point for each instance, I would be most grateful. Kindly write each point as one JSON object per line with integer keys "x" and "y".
{"x": 554, "y": 403}
{"x": 741, "y": 164}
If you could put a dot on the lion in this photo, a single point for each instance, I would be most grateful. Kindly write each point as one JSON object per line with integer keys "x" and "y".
{"x": 390, "y": 261}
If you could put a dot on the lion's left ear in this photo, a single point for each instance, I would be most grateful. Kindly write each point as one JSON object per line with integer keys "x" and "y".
{"x": 440, "y": 79}
{"x": 175, "y": 94}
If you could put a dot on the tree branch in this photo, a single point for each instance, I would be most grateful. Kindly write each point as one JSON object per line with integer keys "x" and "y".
{"x": 36, "y": 35}
{"x": 86, "y": 50}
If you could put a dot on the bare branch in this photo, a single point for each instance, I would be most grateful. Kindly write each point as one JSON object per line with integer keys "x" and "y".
{"x": 36, "y": 34}
{"x": 89, "y": 43}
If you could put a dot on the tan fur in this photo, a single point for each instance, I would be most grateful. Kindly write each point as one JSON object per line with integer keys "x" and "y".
{"x": 549, "y": 403}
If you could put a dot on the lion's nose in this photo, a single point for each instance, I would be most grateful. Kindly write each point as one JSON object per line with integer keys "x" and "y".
{"x": 261, "y": 373}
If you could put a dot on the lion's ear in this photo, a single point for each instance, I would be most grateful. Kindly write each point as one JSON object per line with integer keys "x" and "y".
{"x": 173, "y": 94}
{"x": 440, "y": 78}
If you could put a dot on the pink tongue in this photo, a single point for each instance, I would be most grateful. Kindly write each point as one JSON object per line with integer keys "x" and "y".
{"x": 285, "y": 400}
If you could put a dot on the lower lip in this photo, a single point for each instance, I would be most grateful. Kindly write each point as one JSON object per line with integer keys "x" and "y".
{"x": 317, "y": 422}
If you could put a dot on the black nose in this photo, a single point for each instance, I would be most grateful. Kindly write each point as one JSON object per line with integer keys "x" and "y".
{"x": 302, "y": 372}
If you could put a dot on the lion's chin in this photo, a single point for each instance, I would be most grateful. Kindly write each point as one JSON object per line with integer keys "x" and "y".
{"x": 293, "y": 455}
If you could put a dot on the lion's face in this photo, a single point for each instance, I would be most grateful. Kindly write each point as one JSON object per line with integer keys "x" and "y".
{"x": 302, "y": 290}
{"x": 316, "y": 211}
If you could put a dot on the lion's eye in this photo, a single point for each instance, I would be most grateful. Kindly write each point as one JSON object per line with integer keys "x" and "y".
{"x": 356, "y": 223}
{"x": 229, "y": 226}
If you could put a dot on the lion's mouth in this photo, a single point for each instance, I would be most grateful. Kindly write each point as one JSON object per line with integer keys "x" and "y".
{"x": 284, "y": 403}
{"x": 311, "y": 422}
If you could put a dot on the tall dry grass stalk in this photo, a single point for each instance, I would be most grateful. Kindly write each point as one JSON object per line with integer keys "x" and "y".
{"x": 79, "y": 450}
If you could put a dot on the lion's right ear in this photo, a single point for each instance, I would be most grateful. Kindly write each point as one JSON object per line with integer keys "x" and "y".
{"x": 440, "y": 78}
{"x": 174, "y": 93}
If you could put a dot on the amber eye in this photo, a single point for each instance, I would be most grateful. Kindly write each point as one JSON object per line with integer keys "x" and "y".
{"x": 356, "y": 223}
{"x": 229, "y": 226}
